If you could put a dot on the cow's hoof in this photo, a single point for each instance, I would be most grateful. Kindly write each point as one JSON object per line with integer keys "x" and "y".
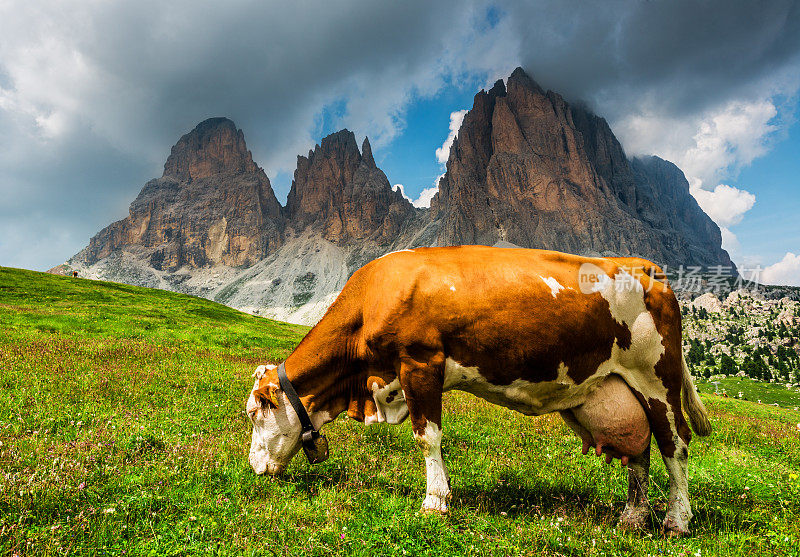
{"x": 634, "y": 518}
{"x": 675, "y": 528}
{"x": 434, "y": 504}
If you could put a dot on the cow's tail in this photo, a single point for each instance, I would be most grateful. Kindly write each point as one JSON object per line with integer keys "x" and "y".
{"x": 692, "y": 403}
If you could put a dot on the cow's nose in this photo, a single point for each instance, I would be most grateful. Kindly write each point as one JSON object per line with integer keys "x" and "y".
{"x": 274, "y": 469}
{"x": 259, "y": 465}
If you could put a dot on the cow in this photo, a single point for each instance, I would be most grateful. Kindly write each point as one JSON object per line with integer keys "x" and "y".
{"x": 536, "y": 331}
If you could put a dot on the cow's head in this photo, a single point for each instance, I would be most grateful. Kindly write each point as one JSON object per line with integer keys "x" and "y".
{"x": 276, "y": 427}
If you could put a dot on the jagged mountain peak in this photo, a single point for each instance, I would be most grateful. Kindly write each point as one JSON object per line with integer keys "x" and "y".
{"x": 214, "y": 146}
{"x": 366, "y": 153}
{"x": 528, "y": 168}
{"x": 213, "y": 205}
{"x": 339, "y": 190}
{"x": 521, "y": 77}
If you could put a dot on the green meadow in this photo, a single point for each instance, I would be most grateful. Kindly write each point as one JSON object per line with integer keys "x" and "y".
{"x": 122, "y": 432}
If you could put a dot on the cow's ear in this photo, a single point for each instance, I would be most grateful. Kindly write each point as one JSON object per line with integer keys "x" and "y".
{"x": 267, "y": 395}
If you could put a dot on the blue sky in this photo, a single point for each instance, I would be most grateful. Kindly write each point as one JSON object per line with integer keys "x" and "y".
{"x": 410, "y": 158}
{"x": 93, "y": 95}
{"x": 772, "y": 226}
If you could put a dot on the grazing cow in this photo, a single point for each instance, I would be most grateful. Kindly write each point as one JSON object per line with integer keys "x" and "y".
{"x": 596, "y": 339}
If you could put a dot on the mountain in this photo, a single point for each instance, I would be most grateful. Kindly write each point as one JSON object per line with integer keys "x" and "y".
{"x": 342, "y": 194}
{"x": 529, "y": 169}
{"x": 213, "y": 205}
{"x": 526, "y": 169}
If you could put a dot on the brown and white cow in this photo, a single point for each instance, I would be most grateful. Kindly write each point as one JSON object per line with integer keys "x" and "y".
{"x": 535, "y": 331}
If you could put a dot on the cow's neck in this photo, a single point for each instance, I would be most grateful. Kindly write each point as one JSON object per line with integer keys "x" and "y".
{"x": 325, "y": 363}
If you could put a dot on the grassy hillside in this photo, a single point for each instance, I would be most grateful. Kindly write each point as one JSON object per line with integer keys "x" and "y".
{"x": 122, "y": 433}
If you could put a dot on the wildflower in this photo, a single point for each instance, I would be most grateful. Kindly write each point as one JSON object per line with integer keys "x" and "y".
{"x": 109, "y": 510}
{"x": 81, "y": 485}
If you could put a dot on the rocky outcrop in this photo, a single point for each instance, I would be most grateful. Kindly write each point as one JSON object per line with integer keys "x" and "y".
{"x": 529, "y": 169}
{"x": 708, "y": 302}
{"x": 213, "y": 205}
{"x": 340, "y": 192}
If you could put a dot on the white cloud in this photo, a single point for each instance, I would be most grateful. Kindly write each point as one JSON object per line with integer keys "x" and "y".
{"x": 730, "y": 139}
{"x": 708, "y": 147}
{"x": 425, "y": 197}
{"x": 726, "y": 205}
{"x": 443, "y": 152}
{"x": 731, "y": 243}
{"x": 784, "y": 272}
{"x": 401, "y": 189}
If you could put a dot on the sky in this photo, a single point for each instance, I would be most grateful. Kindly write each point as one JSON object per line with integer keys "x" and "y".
{"x": 93, "y": 94}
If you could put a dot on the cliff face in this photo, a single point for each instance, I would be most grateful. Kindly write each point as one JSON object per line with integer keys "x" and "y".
{"x": 526, "y": 168}
{"x": 213, "y": 205}
{"x": 340, "y": 192}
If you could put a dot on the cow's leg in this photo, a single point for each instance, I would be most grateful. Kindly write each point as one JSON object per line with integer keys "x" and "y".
{"x": 422, "y": 386}
{"x": 672, "y": 435}
{"x": 679, "y": 512}
{"x": 637, "y": 509}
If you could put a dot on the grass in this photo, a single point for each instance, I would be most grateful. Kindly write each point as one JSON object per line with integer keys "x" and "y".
{"x": 122, "y": 433}
{"x": 751, "y": 390}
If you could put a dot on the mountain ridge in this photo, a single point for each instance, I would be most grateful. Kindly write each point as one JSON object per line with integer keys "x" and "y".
{"x": 526, "y": 168}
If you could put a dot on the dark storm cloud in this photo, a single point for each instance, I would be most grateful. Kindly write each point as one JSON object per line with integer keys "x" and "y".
{"x": 682, "y": 55}
{"x": 93, "y": 96}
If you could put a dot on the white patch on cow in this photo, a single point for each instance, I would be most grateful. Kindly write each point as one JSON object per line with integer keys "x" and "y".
{"x": 393, "y": 252}
{"x": 625, "y": 297}
{"x": 390, "y": 402}
{"x": 553, "y": 284}
{"x": 529, "y": 398}
{"x": 635, "y": 365}
{"x": 437, "y": 492}
{"x": 452, "y": 288}
{"x": 370, "y": 419}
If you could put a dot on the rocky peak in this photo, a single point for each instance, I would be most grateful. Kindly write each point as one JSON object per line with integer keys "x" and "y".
{"x": 366, "y": 153}
{"x": 528, "y": 168}
{"x": 215, "y": 146}
{"x": 340, "y": 191}
{"x": 212, "y": 205}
